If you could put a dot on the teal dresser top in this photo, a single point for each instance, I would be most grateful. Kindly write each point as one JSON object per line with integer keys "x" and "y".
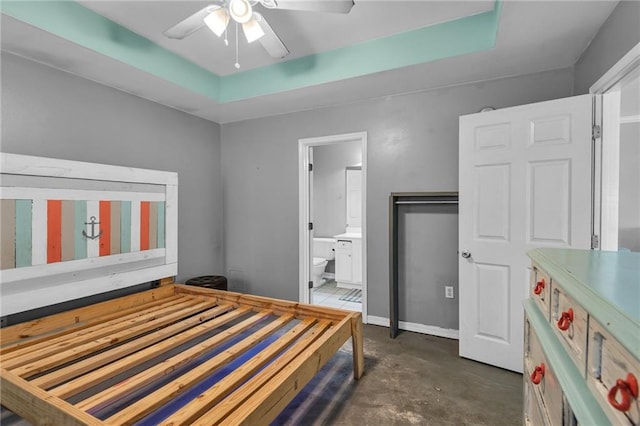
{"x": 612, "y": 277}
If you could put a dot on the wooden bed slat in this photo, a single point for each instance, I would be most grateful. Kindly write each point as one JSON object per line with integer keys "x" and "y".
{"x": 171, "y": 364}
{"x": 89, "y": 364}
{"x": 91, "y": 379}
{"x": 104, "y": 342}
{"x": 268, "y": 401}
{"x": 152, "y": 401}
{"x": 222, "y": 409}
{"x": 42, "y": 328}
{"x": 279, "y": 307}
{"x": 203, "y": 402}
{"x": 43, "y": 349}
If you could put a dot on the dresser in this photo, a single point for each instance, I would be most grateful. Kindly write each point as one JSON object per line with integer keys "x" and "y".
{"x": 582, "y": 338}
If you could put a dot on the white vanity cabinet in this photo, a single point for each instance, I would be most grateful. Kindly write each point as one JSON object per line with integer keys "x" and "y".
{"x": 349, "y": 260}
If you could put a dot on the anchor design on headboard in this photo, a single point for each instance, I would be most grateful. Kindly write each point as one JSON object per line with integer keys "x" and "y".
{"x": 93, "y": 224}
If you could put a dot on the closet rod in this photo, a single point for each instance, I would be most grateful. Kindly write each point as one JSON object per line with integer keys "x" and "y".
{"x": 428, "y": 202}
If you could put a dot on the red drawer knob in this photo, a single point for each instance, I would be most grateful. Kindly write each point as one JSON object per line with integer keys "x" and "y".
{"x": 539, "y": 287}
{"x": 537, "y": 374}
{"x": 565, "y": 320}
{"x": 627, "y": 389}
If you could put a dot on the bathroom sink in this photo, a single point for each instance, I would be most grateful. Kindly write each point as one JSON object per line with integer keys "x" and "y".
{"x": 349, "y": 235}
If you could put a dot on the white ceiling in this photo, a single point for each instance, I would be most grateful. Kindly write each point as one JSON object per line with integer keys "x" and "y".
{"x": 533, "y": 36}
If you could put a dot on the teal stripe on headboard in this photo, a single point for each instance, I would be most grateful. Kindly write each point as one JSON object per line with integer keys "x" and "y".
{"x": 161, "y": 224}
{"x": 125, "y": 227}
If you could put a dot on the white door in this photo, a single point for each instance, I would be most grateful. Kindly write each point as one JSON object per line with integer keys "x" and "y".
{"x": 525, "y": 182}
{"x": 311, "y": 232}
{"x": 354, "y": 198}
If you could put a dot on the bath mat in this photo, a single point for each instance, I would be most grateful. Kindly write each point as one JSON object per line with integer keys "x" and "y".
{"x": 354, "y": 295}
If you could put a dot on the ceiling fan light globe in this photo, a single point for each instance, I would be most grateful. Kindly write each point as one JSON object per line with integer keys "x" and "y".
{"x": 217, "y": 21}
{"x": 240, "y": 11}
{"x": 269, "y": 4}
{"x": 252, "y": 30}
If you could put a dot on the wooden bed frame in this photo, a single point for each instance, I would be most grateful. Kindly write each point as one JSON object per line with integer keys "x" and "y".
{"x": 59, "y": 369}
{"x": 71, "y": 230}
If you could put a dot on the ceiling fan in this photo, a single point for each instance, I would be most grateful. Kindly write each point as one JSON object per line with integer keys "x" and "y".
{"x": 218, "y": 14}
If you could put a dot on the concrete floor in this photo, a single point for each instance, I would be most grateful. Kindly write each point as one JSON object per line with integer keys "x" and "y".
{"x": 420, "y": 379}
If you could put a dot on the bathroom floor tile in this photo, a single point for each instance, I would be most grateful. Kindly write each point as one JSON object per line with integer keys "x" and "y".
{"x": 329, "y": 295}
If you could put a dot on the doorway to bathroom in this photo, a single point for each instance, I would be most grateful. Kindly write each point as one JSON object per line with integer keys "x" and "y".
{"x": 332, "y": 221}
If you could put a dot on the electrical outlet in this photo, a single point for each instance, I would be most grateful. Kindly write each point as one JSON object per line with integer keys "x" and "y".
{"x": 448, "y": 292}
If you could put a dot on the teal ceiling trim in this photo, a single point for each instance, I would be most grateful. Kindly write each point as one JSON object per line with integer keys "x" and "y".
{"x": 82, "y": 26}
{"x": 461, "y": 36}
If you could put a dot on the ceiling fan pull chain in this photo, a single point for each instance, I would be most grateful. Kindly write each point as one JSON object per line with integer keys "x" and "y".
{"x": 226, "y": 40}
{"x": 237, "y": 64}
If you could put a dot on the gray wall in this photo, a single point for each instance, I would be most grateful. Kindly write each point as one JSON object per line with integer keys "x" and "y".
{"x": 50, "y": 113}
{"x": 629, "y": 208}
{"x": 619, "y": 33}
{"x": 427, "y": 262}
{"x": 329, "y": 185}
{"x": 412, "y": 146}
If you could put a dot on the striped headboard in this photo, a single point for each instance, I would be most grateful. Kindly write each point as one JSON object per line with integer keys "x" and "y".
{"x": 70, "y": 229}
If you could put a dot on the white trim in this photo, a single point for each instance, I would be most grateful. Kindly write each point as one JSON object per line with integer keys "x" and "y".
{"x": 18, "y": 193}
{"x": 618, "y": 72}
{"x": 171, "y": 223}
{"x": 417, "y": 328}
{"x": 54, "y": 167}
{"x": 30, "y": 272}
{"x": 304, "y": 146}
{"x": 630, "y": 119}
{"x": 36, "y": 298}
{"x": 610, "y": 173}
{"x": 605, "y": 173}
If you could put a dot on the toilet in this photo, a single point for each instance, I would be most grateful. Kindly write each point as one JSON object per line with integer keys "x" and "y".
{"x": 323, "y": 252}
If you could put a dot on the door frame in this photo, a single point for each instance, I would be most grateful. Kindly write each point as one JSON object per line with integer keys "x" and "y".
{"x": 304, "y": 213}
{"x": 605, "y": 179}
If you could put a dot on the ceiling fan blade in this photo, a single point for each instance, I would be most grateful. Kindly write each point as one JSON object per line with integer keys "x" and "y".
{"x": 193, "y": 23}
{"x": 270, "y": 41}
{"x": 332, "y": 6}
{"x": 252, "y": 30}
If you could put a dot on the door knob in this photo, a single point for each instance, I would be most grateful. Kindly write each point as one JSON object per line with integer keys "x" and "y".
{"x": 466, "y": 254}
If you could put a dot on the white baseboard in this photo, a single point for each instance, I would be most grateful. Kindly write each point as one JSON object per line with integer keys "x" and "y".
{"x": 415, "y": 327}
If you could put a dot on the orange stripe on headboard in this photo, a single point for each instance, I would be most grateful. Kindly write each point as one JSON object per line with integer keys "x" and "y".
{"x": 54, "y": 231}
{"x": 105, "y": 227}
{"x": 144, "y": 225}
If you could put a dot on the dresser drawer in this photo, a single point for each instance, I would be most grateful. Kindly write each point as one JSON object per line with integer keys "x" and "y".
{"x": 611, "y": 373}
{"x": 540, "y": 289}
{"x": 540, "y": 376}
{"x": 569, "y": 321}
{"x": 534, "y": 414}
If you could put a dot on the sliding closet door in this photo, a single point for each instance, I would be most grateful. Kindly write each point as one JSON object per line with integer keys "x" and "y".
{"x": 525, "y": 182}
